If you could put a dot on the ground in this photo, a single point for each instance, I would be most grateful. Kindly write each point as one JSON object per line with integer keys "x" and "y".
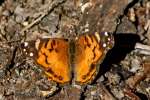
{"x": 125, "y": 72}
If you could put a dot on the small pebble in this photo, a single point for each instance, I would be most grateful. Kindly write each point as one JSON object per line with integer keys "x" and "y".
{"x": 6, "y": 13}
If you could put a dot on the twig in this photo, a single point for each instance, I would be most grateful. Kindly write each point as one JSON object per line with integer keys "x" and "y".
{"x": 142, "y": 49}
{"x": 147, "y": 26}
{"x": 138, "y": 77}
{"x": 106, "y": 94}
{"x": 52, "y": 5}
{"x": 141, "y": 46}
{"x": 130, "y": 94}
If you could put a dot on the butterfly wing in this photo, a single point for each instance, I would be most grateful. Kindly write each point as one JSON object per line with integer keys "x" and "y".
{"x": 53, "y": 56}
{"x": 89, "y": 51}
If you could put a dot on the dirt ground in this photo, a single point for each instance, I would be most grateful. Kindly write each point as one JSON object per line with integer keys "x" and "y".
{"x": 125, "y": 72}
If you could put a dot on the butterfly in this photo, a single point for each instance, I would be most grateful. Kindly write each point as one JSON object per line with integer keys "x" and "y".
{"x": 70, "y": 60}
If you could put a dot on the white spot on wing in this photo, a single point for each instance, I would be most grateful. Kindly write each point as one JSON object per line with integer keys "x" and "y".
{"x": 25, "y": 44}
{"x": 104, "y": 45}
{"x": 31, "y": 54}
{"x": 108, "y": 39}
{"x": 106, "y": 34}
{"x": 24, "y": 50}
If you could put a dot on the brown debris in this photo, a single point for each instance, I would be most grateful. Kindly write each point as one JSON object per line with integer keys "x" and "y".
{"x": 131, "y": 95}
{"x": 138, "y": 77}
{"x": 31, "y": 19}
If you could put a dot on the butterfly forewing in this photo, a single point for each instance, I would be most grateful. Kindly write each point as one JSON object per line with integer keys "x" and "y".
{"x": 53, "y": 56}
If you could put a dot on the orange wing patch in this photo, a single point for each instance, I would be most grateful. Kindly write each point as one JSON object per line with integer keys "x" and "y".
{"x": 88, "y": 53}
{"x": 54, "y": 57}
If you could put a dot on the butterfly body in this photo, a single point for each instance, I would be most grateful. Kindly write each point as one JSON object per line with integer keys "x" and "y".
{"x": 67, "y": 60}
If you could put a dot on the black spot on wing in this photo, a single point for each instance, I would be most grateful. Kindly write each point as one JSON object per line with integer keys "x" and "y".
{"x": 54, "y": 74}
{"x": 60, "y": 77}
{"x": 53, "y": 46}
{"x": 53, "y": 43}
{"x": 50, "y": 71}
{"x": 87, "y": 41}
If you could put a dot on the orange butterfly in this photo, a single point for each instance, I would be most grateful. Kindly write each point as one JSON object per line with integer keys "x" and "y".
{"x": 67, "y": 60}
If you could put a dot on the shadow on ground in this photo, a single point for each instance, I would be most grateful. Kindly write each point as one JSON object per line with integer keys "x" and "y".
{"x": 124, "y": 44}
